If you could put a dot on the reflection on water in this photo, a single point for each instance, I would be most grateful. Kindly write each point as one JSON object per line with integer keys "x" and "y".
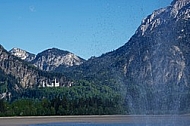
{"x": 114, "y": 124}
{"x": 83, "y": 124}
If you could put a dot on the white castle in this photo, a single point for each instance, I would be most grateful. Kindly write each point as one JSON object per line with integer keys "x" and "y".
{"x": 54, "y": 83}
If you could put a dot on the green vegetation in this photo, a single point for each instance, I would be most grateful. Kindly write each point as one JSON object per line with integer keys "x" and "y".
{"x": 82, "y": 99}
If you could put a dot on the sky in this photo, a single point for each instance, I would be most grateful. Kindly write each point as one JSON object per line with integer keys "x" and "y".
{"x": 84, "y": 27}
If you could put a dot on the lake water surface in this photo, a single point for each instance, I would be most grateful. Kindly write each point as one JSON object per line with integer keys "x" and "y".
{"x": 83, "y": 124}
{"x": 109, "y": 124}
{"x": 115, "y": 120}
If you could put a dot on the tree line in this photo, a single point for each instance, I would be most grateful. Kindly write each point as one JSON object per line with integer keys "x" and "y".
{"x": 82, "y": 99}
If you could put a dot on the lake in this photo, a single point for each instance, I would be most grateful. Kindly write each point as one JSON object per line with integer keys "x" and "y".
{"x": 98, "y": 120}
{"x": 83, "y": 124}
{"x": 114, "y": 124}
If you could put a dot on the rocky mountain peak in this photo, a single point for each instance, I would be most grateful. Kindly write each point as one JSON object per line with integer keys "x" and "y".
{"x": 179, "y": 3}
{"x": 177, "y": 10}
{"x": 50, "y": 59}
{"x": 19, "y": 53}
{"x": 22, "y": 54}
{"x": 55, "y": 51}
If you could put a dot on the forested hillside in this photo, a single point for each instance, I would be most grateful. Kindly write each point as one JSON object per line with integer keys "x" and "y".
{"x": 82, "y": 99}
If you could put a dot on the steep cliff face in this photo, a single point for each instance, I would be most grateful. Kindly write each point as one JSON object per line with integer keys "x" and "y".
{"x": 27, "y": 75}
{"x": 161, "y": 47}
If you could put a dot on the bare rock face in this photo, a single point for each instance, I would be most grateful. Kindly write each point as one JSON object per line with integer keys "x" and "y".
{"x": 162, "y": 46}
{"x": 179, "y": 9}
{"x": 24, "y": 55}
{"x": 51, "y": 59}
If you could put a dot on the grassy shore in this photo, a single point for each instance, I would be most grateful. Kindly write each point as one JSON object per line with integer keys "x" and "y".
{"x": 25, "y": 121}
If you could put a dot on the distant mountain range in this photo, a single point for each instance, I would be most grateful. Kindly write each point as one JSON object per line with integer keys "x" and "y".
{"x": 151, "y": 70}
{"x": 49, "y": 59}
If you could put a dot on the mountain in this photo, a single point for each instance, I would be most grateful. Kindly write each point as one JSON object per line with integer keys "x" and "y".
{"x": 161, "y": 47}
{"x": 25, "y": 75}
{"x": 24, "y": 55}
{"x": 152, "y": 69}
{"x": 50, "y": 59}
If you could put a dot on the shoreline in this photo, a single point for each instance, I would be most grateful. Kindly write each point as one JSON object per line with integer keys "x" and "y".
{"x": 28, "y": 120}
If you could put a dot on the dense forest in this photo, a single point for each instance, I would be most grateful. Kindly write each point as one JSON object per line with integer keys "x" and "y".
{"x": 82, "y": 99}
{"x": 86, "y": 98}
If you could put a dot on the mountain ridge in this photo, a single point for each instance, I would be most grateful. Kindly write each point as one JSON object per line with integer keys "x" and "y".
{"x": 49, "y": 59}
